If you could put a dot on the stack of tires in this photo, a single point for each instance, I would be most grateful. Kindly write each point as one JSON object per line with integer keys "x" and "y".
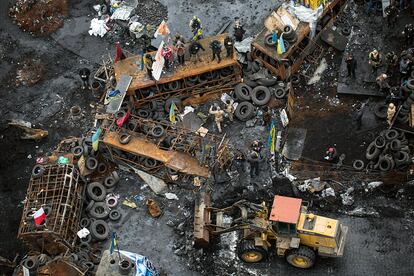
{"x": 408, "y": 88}
{"x": 387, "y": 152}
{"x": 100, "y": 206}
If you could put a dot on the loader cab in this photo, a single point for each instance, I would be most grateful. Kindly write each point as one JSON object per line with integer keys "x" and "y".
{"x": 285, "y": 215}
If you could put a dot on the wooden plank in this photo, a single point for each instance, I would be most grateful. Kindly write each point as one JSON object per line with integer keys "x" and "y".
{"x": 411, "y": 116}
{"x": 140, "y": 79}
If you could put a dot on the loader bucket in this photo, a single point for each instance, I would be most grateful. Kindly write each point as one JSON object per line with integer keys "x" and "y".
{"x": 201, "y": 218}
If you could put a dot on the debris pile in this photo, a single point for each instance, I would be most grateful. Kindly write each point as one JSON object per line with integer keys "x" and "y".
{"x": 29, "y": 72}
{"x": 39, "y": 17}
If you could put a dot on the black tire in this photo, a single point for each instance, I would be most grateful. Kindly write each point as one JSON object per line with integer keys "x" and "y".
{"x": 120, "y": 114}
{"x": 84, "y": 222}
{"x": 395, "y": 145}
{"x": 174, "y": 85}
{"x": 47, "y": 210}
{"x": 157, "y": 131}
{"x": 385, "y": 164}
{"x": 287, "y": 44}
{"x": 244, "y": 111}
{"x": 249, "y": 253}
{"x": 306, "y": 256}
{"x": 124, "y": 138}
{"x": 143, "y": 113}
{"x": 288, "y": 32}
{"x": 267, "y": 82}
{"x": 226, "y": 71}
{"x": 268, "y": 40}
{"x": 391, "y": 134}
{"x": 102, "y": 168}
{"x": 89, "y": 265}
{"x": 168, "y": 103}
{"x": 82, "y": 256}
{"x": 132, "y": 125}
{"x": 125, "y": 267}
{"x": 86, "y": 239}
{"x": 96, "y": 191}
{"x": 381, "y": 111}
{"x": 372, "y": 151}
{"x": 31, "y": 263}
{"x": 295, "y": 79}
{"x": 402, "y": 158}
{"x": 77, "y": 151}
{"x": 99, "y": 230}
{"x": 380, "y": 142}
{"x": 150, "y": 163}
{"x": 192, "y": 80}
{"x": 110, "y": 182}
{"x": 403, "y": 119}
{"x": 250, "y": 83}
{"x": 261, "y": 95}
{"x": 38, "y": 171}
{"x": 280, "y": 93}
{"x": 346, "y": 32}
{"x": 90, "y": 205}
{"x": 255, "y": 66}
{"x": 115, "y": 215}
{"x": 84, "y": 246}
{"x": 99, "y": 211}
{"x": 249, "y": 66}
{"x": 243, "y": 92}
{"x": 410, "y": 84}
{"x": 358, "y": 165}
{"x": 91, "y": 163}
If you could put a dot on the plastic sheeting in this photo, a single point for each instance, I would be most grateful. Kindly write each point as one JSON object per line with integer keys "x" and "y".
{"x": 143, "y": 266}
{"x": 98, "y": 27}
{"x": 305, "y": 14}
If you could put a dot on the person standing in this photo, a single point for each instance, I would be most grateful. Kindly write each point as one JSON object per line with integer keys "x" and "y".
{"x": 218, "y": 116}
{"x": 230, "y": 109}
{"x": 148, "y": 64}
{"x": 391, "y": 60}
{"x": 351, "y": 65}
{"x": 409, "y": 34}
{"x": 374, "y": 60}
{"x": 254, "y": 160}
{"x": 239, "y": 162}
{"x": 84, "y": 74}
{"x": 180, "y": 50}
{"x": 238, "y": 30}
{"x": 194, "y": 50}
{"x": 215, "y": 46}
{"x": 391, "y": 13}
{"x": 196, "y": 28}
{"x": 229, "y": 45}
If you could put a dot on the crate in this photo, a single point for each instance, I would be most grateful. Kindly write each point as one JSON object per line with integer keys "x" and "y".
{"x": 59, "y": 191}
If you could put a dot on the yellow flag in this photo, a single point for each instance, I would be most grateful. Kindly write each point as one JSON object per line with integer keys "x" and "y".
{"x": 172, "y": 112}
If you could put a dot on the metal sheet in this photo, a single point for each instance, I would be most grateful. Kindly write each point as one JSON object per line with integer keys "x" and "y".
{"x": 122, "y": 85}
{"x": 294, "y": 144}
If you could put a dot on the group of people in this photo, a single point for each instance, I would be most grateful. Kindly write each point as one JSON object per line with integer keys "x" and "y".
{"x": 179, "y": 47}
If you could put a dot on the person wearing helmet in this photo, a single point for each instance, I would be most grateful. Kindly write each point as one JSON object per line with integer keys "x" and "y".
{"x": 375, "y": 60}
{"x": 254, "y": 159}
{"x": 408, "y": 34}
{"x": 196, "y": 28}
{"x": 331, "y": 154}
{"x": 148, "y": 64}
{"x": 382, "y": 81}
{"x": 238, "y": 30}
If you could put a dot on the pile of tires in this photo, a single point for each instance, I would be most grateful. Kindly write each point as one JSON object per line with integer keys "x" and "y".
{"x": 387, "y": 152}
{"x": 100, "y": 208}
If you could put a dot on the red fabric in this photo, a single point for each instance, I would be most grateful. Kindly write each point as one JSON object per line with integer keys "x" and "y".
{"x": 167, "y": 54}
{"x": 119, "y": 55}
{"x": 122, "y": 120}
{"x": 39, "y": 216}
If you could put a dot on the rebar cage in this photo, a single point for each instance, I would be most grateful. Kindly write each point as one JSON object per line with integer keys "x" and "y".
{"x": 59, "y": 191}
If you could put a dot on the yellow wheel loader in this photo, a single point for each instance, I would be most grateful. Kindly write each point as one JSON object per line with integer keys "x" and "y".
{"x": 289, "y": 230}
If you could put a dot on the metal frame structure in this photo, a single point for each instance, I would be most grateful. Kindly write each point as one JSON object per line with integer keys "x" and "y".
{"x": 297, "y": 52}
{"x": 205, "y": 151}
{"x": 59, "y": 190}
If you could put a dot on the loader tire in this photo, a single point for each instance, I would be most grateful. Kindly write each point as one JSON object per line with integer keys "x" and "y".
{"x": 249, "y": 253}
{"x": 302, "y": 257}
